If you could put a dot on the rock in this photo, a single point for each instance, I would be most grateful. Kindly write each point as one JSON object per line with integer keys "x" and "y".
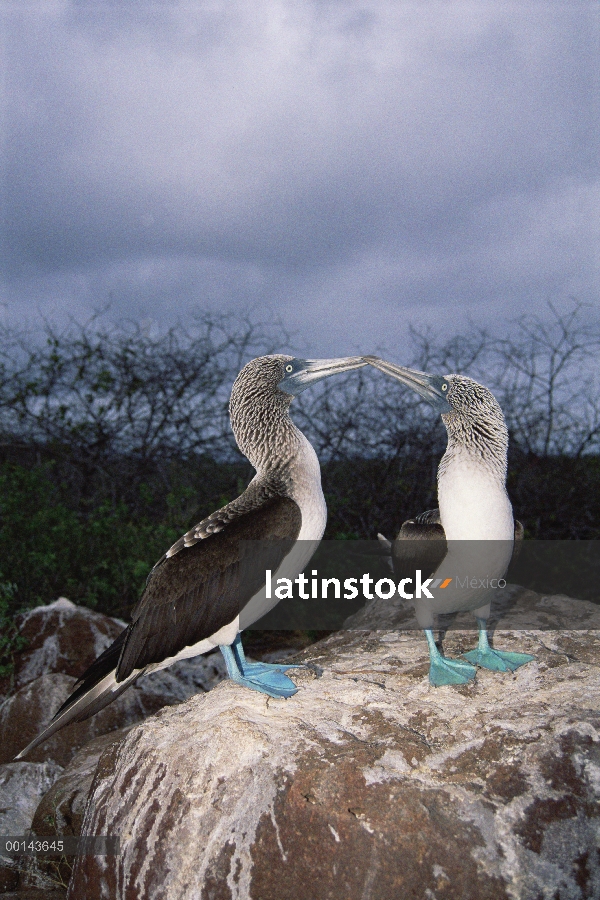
{"x": 22, "y": 785}
{"x": 190, "y": 676}
{"x": 514, "y": 608}
{"x": 62, "y": 641}
{"x": 35, "y": 894}
{"x": 60, "y": 812}
{"x": 61, "y": 638}
{"x": 369, "y": 783}
{"x": 24, "y": 714}
{"x": 9, "y": 876}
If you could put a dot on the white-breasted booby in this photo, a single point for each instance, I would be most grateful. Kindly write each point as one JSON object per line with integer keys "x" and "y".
{"x": 473, "y": 506}
{"x": 211, "y": 583}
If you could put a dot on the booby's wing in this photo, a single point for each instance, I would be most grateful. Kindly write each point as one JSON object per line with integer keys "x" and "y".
{"x": 256, "y": 495}
{"x": 202, "y": 585}
{"x": 420, "y": 544}
{"x": 408, "y": 555}
{"x": 193, "y": 593}
{"x": 429, "y": 517}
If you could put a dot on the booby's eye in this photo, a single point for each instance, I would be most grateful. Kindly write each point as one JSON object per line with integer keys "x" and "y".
{"x": 289, "y": 368}
{"x": 444, "y": 387}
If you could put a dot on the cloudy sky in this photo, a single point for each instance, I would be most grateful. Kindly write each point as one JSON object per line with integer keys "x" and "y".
{"x": 349, "y": 166}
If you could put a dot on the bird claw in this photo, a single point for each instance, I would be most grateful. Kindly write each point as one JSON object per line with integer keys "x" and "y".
{"x": 497, "y": 660}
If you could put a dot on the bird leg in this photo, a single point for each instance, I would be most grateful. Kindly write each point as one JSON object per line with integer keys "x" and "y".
{"x": 248, "y": 668}
{"x": 267, "y": 681}
{"x": 496, "y": 660}
{"x": 446, "y": 671}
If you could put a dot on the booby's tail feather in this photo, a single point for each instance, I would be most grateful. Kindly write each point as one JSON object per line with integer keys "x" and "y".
{"x": 96, "y": 688}
{"x": 103, "y": 693}
{"x": 106, "y": 663}
{"x": 386, "y": 548}
{"x": 384, "y": 542}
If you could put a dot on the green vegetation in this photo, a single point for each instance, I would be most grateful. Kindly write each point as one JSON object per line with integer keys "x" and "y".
{"x": 98, "y": 555}
{"x": 10, "y": 640}
{"x": 51, "y": 549}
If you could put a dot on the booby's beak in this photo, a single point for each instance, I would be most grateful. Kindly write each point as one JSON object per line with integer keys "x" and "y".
{"x": 433, "y": 388}
{"x": 301, "y": 373}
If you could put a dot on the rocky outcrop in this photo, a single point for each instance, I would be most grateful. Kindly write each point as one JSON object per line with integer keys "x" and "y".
{"x": 23, "y": 715}
{"x": 62, "y": 807}
{"x": 22, "y": 785}
{"x": 60, "y": 813}
{"x": 62, "y": 640}
{"x": 37, "y": 793}
{"x": 44, "y": 676}
{"x": 513, "y": 609}
{"x": 368, "y": 783}
{"x": 60, "y": 637}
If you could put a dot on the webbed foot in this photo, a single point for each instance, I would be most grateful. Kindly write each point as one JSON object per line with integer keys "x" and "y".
{"x": 497, "y": 660}
{"x": 450, "y": 671}
{"x": 446, "y": 671}
{"x": 263, "y": 677}
{"x": 259, "y": 667}
{"x": 275, "y": 684}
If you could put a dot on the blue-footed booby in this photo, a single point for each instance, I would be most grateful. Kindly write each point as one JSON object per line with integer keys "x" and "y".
{"x": 211, "y": 583}
{"x": 473, "y": 507}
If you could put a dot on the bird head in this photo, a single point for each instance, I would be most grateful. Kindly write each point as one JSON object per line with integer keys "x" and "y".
{"x": 470, "y": 412}
{"x": 288, "y": 376}
{"x": 265, "y": 387}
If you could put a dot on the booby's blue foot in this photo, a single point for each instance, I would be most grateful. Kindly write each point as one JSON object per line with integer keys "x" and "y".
{"x": 275, "y": 684}
{"x": 446, "y": 671}
{"x": 495, "y": 660}
{"x": 450, "y": 671}
{"x": 271, "y": 682}
{"x": 252, "y": 669}
{"x": 260, "y": 668}
{"x": 257, "y": 668}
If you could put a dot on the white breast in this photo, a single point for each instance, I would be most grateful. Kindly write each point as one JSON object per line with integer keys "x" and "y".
{"x": 474, "y": 507}
{"x": 473, "y": 502}
{"x": 308, "y": 493}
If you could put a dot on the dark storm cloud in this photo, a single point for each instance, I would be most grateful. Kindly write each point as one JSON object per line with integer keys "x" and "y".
{"x": 354, "y": 165}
